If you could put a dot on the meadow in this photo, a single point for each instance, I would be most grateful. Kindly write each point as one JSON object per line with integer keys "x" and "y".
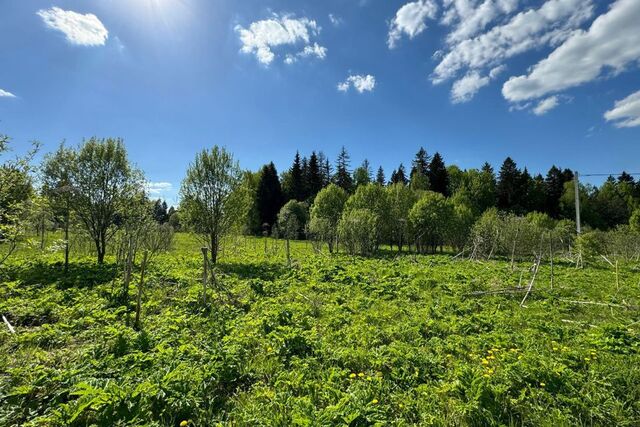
{"x": 394, "y": 339}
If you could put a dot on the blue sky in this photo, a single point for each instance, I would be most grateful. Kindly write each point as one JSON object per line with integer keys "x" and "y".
{"x": 545, "y": 82}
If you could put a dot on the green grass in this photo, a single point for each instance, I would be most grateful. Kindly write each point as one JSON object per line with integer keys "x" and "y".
{"x": 334, "y": 340}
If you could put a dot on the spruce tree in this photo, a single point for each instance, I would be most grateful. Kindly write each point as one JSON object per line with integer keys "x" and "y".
{"x": 399, "y": 176}
{"x": 342, "y": 178}
{"x": 554, "y": 187}
{"x": 380, "y": 178}
{"x": 269, "y": 197}
{"x": 294, "y": 185}
{"x": 314, "y": 176}
{"x": 508, "y": 185}
{"x": 420, "y": 171}
{"x": 438, "y": 175}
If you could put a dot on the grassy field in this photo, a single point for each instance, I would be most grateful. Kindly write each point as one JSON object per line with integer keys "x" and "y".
{"x": 333, "y": 340}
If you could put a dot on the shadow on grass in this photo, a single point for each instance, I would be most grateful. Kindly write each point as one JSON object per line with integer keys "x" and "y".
{"x": 79, "y": 275}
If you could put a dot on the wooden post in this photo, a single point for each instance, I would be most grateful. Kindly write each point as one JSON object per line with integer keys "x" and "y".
{"x": 288, "y": 254}
{"x": 204, "y": 275}
{"x": 617, "y": 277}
{"x": 140, "y": 287}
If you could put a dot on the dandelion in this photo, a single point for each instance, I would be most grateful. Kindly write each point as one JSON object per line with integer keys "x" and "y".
{"x": 374, "y": 401}
{"x": 184, "y": 423}
{"x": 352, "y": 376}
{"x": 486, "y": 375}
{"x": 361, "y": 374}
{"x": 485, "y": 362}
{"x": 542, "y": 384}
{"x": 555, "y": 348}
{"x": 586, "y": 359}
{"x": 369, "y": 378}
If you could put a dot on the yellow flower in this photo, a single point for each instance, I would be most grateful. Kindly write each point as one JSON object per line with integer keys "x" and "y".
{"x": 586, "y": 359}
{"x": 555, "y": 348}
{"x": 184, "y": 423}
{"x": 542, "y": 384}
{"x": 352, "y": 375}
{"x": 361, "y": 374}
{"x": 374, "y": 401}
{"x": 486, "y": 375}
{"x": 485, "y": 362}
{"x": 519, "y": 357}
{"x": 369, "y": 378}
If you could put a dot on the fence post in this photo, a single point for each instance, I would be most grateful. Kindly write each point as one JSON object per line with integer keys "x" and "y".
{"x": 204, "y": 274}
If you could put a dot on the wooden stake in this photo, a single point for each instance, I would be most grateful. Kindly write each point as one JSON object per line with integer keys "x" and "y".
{"x": 204, "y": 275}
{"x": 13, "y": 331}
{"x": 140, "y": 287}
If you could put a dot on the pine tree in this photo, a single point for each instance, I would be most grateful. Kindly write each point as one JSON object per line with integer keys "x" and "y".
{"x": 269, "y": 197}
{"x": 342, "y": 178}
{"x": 508, "y": 185}
{"x": 380, "y": 178}
{"x": 438, "y": 175}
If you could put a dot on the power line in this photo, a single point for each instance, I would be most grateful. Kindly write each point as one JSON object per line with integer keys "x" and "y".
{"x": 609, "y": 174}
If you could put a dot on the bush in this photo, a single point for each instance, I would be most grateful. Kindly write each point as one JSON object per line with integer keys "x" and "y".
{"x": 431, "y": 219}
{"x": 358, "y": 231}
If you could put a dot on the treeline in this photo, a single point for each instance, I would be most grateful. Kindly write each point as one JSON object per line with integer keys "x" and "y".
{"x": 94, "y": 190}
{"x": 511, "y": 190}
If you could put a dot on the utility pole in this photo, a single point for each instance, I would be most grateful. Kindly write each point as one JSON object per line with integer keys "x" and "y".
{"x": 576, "y": 186}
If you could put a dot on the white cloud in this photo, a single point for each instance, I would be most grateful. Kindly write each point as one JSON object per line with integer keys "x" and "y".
{"x": 465, "y": 88}
{"x": 157, "y": 188}
{"x": 79, "y": 29}
{"x": 280, "y": 31}
{"x": 410, "y": 20}
{"x": 314, "y": 50}
{"x": 546, "y": 105}
{"x": 612, "y": 42}
{"x": 5, "y": 94}
{"x": 626, "y": 112}
{"x": 335, "y": 20}
{"x": 361, "y": 83}
{"x": 470, "y": 16}
{"x": 550, "y": 24}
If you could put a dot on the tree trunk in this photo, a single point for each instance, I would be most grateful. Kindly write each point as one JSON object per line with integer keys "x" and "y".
{"x": 66, "y": 243}
{"x": 140, "y": 287}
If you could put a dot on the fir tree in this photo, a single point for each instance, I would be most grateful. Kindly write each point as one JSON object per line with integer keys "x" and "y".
{"x": 399, "y": 176}
{"x": 293, "y": 185}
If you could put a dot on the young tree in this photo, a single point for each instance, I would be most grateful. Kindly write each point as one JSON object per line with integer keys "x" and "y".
{"x": 57, "y": 187}
{"x": 401, "y": 200}
{"x": 430, "y": 220}
{"x": 325, "y": 214}
{"x": 438, "y": 175}
{"x": 269, "y": 198}
{"x": 103, "y": 182}
{"x": 342, "y": 178}
{"x": 16, "y": 192}
{"x": 291, "y": 221}
{"x": 374, "y": 198}
{"x": 362, "y": 174}
{"x": 209, "y": 201}
{"x": 357, "y": 231}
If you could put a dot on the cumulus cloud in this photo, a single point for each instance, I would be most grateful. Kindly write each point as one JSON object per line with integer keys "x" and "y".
{"x": 79, "y": 29}
{"x": 6, "y": 94}
{"x": 546, "y": 105}
{"x": 552, "y": 23}
{"x": 157, "y": 188}
{"x": 263, "y": 36}
{"x": 465, "y": 88}
{"x": 361, "y": 83}
{"x": 626, "y": 112}
{"x": 410, "y": 20}
{"x": 472, "y": 16}
{"x": 612, "y": 42}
